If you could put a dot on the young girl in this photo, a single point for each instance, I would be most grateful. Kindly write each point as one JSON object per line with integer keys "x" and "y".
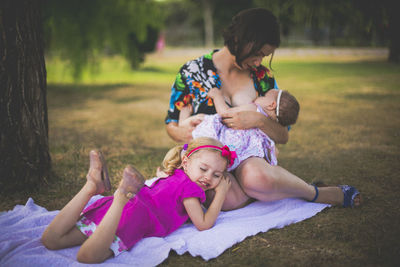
{"x": 116, "y": 223}
{"x": 278, "y": 105}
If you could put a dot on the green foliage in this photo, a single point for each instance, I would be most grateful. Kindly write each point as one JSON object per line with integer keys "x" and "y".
{"x": 82, "y": 30}
{"x": 342, "y": 22}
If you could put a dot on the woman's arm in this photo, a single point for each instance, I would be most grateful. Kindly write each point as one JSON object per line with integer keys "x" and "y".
{"x": 252, "y": 119}
{"x": 203, "y": 221}
{"x": 182, "y": 132}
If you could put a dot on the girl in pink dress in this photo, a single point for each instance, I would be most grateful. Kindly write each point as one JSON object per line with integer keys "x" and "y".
{"x": 116, "y": 223}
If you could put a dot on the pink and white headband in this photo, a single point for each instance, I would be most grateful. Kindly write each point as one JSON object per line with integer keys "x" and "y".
{"x": 278, "y": 101}
{"x": 225, "y": 152}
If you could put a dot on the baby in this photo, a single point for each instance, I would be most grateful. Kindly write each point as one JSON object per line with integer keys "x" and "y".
{"x": 277, "y": 105}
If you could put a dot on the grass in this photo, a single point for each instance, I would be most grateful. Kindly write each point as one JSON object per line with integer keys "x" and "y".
{"x": 348, "y": 132}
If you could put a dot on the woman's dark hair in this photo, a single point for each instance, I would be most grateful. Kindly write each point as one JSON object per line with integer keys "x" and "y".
{"x": 289, "y": 109}
{"x": 249, "y": 31}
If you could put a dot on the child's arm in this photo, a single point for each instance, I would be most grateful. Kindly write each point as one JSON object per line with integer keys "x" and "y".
{"x": 218, "y": 99}
{"x": 185, "y": 113}
{"x": 201, "y": 220}
{"x": 222, "y": 107}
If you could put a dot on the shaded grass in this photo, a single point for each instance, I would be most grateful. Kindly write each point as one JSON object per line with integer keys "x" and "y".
{"x": 348, "y": 132}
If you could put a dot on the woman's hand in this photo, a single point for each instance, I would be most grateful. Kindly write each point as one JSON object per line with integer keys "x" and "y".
{"x": 182, "y": 132}
{"x": 240, "y": 120}
{"x": 190, "y": 123}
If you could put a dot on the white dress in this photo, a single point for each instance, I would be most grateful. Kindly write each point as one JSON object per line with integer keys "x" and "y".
{"x": 247, "y": 143}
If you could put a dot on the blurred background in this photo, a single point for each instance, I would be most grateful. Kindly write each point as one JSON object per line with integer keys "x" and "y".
{"x": 79, "y": 32}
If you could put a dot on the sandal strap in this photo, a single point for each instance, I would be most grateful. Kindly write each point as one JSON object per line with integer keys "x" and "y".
{"x": 316, "y": 193}
{"x": 349, "y": 192}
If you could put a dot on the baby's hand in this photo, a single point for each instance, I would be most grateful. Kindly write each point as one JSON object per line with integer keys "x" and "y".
{"x": 224, "y": 185}
{"x": 213, "y": 92}
{"x": 185, "y": 113}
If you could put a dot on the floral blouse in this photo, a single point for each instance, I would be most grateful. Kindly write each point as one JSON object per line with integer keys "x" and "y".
{"x": 197, "y": 77}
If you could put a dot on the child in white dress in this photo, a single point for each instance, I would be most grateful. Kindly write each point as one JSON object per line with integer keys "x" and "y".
{"x": 277, "y": 105}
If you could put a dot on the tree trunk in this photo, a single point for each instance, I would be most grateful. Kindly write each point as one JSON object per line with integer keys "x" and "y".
{"x": 208, "y": 23}
{"x": 24, "y": 150}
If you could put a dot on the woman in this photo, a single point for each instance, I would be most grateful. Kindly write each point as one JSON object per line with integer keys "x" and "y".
{"x": 237, "y": 71}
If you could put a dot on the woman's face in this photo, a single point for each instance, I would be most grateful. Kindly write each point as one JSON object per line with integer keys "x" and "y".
{"x": 255, "y": 60}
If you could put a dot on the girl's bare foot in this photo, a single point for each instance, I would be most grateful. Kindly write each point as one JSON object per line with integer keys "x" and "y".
{"x": 95, "y": 171}
{"x": 131, "y": 183}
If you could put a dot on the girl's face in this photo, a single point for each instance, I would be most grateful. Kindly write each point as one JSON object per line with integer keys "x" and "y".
{"x": 205, "y": 168}
{"x": 255, "y": 60}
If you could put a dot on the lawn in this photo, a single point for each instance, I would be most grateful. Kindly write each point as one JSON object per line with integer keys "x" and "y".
{"x": 348, "y": 132}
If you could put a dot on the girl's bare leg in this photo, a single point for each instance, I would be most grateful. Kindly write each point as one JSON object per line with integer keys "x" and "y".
{"x": 62, "y": 232}
{"x": 97, "y": 247}
{"x": 264, "y": 182}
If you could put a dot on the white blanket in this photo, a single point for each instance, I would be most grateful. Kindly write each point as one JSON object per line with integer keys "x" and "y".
{"x": 21, "y": 228}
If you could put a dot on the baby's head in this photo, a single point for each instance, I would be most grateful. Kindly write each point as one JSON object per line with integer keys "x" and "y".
{"x": 281, "y": 106}
{"x": 204, "y": 160}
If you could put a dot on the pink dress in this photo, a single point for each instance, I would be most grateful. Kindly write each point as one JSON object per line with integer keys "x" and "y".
{"x": 247, "y": 143}
{"x": 157, "y": 210}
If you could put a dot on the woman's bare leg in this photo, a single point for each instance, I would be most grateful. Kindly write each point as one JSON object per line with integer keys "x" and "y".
{"x": 264, "y": 182}
{"x": 96, "y": 248}
{"x": 62, "y": 231}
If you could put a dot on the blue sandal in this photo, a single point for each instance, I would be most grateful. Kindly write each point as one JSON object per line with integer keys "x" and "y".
{"x": 349, "y": 192}
{"x": 316, "y": 193}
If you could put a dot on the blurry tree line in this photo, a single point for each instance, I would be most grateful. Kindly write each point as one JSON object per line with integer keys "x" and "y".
{"x": 303, "y": 22}
{"x": 81, "y": 31}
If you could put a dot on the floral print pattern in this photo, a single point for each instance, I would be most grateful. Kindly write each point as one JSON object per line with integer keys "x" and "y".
{"x": 87, "y": 227}
{"x": 197, "y": 77}
{"x": 247, "y": 143}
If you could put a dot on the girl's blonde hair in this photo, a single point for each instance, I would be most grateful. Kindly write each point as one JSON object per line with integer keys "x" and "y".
{"x": 173, "y": 158}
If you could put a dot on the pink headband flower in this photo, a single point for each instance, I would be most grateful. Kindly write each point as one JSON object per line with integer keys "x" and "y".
{"x": 225, "y": 152}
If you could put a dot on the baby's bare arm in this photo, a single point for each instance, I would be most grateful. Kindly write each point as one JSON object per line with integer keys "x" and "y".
{"x": 219, "y": 101}
{"x": 222, "y": 107}
{"x": 185, "y": 113}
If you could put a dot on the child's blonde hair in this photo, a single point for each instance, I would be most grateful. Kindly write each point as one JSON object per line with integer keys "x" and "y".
{"x": 173, "y": 158}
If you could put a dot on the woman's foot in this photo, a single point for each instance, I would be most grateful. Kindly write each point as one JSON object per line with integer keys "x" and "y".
{"x": 351, "y": 196}
{"x": 342, "y": 195}
{"x": 96, "y": 177}
{"x": 131, "y": 183}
